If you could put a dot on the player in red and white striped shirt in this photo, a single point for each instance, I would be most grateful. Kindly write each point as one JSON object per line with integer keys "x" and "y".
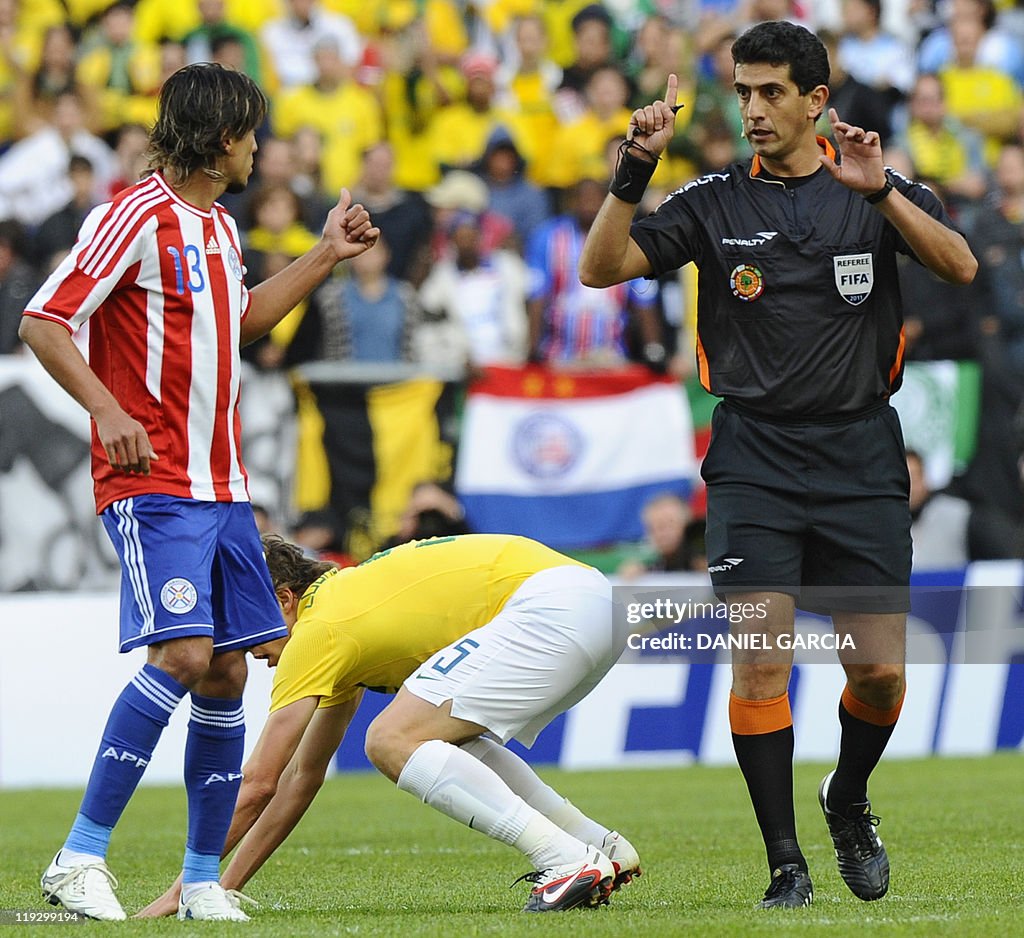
{"x": 158, "y": 274}
{"x": 161, "y": 282}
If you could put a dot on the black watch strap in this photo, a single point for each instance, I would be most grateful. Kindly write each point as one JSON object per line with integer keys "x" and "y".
{"x": 875, "y": 197}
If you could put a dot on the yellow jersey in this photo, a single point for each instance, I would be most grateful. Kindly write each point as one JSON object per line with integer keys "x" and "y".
{"x": 373, "y": 625}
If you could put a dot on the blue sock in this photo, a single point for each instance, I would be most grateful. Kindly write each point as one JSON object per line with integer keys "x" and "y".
{"x": 213, "y": 773}
{"x": 89, "y": 837}
{"x": 200, "y": 867}
{"x": 136, "y": 721}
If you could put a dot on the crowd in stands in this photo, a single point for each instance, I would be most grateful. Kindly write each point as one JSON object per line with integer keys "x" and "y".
{"x": 481, "y": 135}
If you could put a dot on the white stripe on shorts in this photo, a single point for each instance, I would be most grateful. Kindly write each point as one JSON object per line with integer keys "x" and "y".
{"x": 134, "y": 561}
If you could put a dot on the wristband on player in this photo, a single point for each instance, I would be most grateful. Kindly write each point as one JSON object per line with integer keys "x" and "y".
{"x": 875, "y": 197}
{"x": 631, "y": 173}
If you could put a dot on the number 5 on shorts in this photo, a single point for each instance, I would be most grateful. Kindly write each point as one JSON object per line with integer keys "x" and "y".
{"x": 463, "y": 648}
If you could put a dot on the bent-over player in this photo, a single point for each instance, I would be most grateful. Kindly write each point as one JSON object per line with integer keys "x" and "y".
{"x": 484, "y": 637}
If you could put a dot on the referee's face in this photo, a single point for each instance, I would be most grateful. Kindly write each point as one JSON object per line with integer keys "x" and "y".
{"x": 777, "y": 119}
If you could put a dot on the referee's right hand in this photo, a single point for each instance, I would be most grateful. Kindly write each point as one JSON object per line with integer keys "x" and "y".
{"x": 652, "y": 126}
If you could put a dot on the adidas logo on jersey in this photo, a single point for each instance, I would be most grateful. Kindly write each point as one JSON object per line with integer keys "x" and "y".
{"x": 212, "y": 247}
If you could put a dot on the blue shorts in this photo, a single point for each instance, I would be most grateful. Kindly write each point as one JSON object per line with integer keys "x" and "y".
{"x": 192, "y": 568}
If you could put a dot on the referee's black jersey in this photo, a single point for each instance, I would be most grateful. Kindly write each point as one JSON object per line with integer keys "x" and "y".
{"x": 798, "y": 304}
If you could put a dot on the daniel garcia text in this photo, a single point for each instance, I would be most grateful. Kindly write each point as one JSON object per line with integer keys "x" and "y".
{"x": 747, "y": 641}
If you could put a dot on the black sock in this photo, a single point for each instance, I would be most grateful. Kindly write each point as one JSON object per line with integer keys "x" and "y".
{"x": 860, "y": 748}
{"x": 766, "y": 761}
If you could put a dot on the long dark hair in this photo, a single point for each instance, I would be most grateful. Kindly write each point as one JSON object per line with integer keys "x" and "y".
{"x": 289, "y": 567}
{"x": 200, "y": 105}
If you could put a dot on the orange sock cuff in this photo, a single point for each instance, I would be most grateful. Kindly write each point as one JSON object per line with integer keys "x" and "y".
{"x": 757, "y": 717}
{"x": 862, "y": 711}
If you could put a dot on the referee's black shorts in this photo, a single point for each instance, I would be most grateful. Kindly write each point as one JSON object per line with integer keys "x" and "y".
{"x": 816, "y": 510}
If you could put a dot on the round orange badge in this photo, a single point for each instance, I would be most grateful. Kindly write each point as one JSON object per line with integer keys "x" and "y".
{"x": 747, "y": 282}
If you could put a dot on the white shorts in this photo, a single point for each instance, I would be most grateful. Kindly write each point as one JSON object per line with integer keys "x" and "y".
{"x": 545, "y": 651}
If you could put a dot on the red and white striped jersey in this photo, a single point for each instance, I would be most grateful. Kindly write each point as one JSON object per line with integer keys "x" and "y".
{"x": 161, "y": 282}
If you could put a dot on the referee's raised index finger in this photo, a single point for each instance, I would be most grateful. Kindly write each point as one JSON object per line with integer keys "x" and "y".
{"x": 670, "y": 90}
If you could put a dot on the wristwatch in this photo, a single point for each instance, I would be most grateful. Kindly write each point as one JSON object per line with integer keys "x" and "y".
{"x": 875, "y": 197}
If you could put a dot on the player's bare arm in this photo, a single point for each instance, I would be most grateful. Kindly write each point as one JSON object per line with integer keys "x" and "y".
{"x": 347, "y": 233}
{"x": 943, "y": 251}
{"x": 124, "y": 439}
{"x": 278, "y": 743}
{"x": 297, "y": 787}
{"x": 609, "y": 255}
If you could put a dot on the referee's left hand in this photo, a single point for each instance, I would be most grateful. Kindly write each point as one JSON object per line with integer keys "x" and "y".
{"x": 862, "y": 168}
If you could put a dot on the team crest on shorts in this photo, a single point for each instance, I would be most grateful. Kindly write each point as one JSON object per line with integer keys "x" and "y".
{"x": 747, "y": 282}
{"x": 855, "y": 276}
{"x": 178, "y": 596}
{"x": 235, "y": 262}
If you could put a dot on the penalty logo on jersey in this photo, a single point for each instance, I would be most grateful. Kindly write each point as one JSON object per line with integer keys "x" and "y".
{"x": 747, "y": 282}
{"x": 178, "y": 596}
{"x": 855, "y": 276}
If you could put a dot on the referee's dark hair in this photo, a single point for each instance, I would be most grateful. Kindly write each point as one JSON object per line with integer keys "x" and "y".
{"x": 780, "y": 43}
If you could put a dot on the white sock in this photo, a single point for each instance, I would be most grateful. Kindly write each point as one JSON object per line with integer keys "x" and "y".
{"x": 189, "y": 890}
{"x": 518, "y": 775}
{"x": 455, "y": 783}
{"x": 547, "y": 845}
{"x": 572, "y": 820}
{"x": 72, "y": 858}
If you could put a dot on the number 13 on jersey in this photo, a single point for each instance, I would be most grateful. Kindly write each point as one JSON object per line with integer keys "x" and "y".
{"x": 196, "y": 281}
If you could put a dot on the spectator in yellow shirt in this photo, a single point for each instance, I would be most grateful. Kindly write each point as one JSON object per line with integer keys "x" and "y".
{"x": 527, "y": 88}
{"x": 578, "y": 149}
{"x": 984, "y": 98}
{"x": 347, "y": 116}
{"x": 120, "y": 68}
{"x": 939, "y": 146}
{"x": 459, "y": 132}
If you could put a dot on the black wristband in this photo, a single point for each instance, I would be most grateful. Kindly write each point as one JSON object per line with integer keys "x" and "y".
{"x": 875, "y": 197}
{"x": 631, "y": 176}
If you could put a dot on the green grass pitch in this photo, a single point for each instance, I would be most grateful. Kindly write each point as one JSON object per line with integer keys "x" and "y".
{"x": 370, "y": 860}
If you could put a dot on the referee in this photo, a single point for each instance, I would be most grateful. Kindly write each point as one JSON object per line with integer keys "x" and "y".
{"x": 800, "y": 332}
